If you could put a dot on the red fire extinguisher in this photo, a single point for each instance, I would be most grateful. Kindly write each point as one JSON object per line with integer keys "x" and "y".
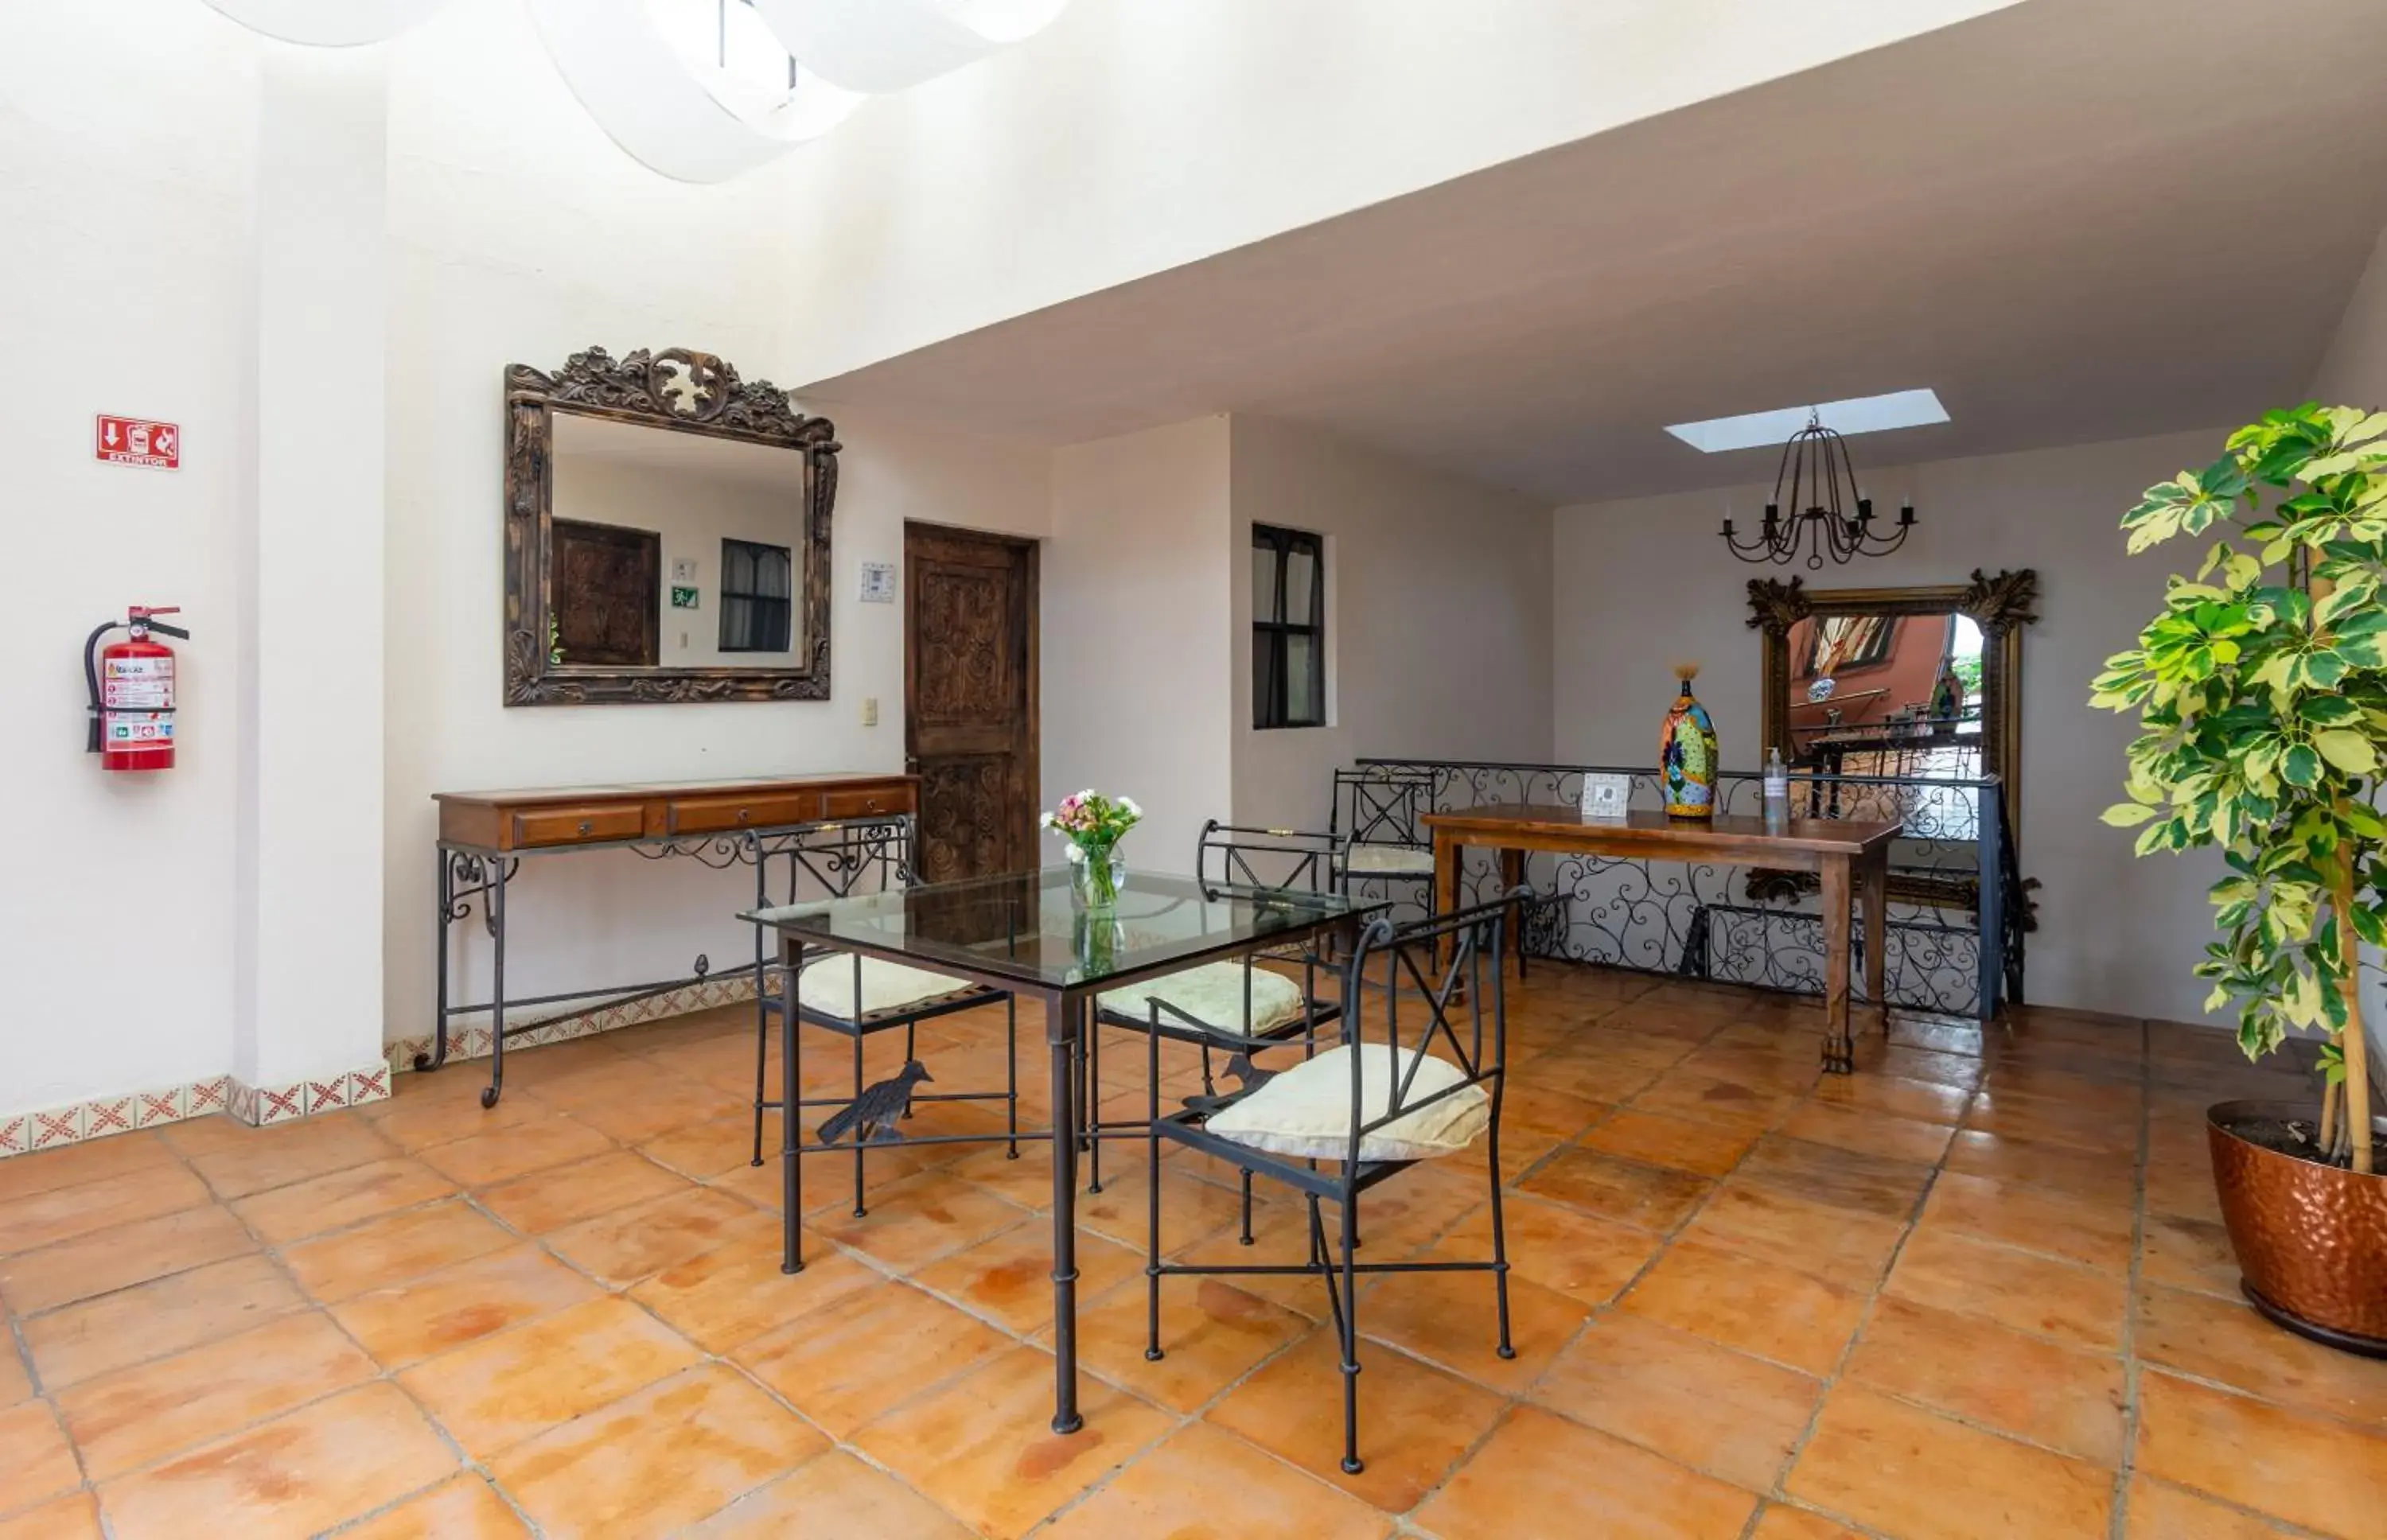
{"x": 132, "y": 692}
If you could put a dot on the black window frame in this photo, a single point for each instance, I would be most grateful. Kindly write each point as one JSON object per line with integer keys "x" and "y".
{"x": 1271, "y": 645}
{"x": 763, "y": 606}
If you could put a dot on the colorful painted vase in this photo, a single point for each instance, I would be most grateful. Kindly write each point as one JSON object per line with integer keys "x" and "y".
{"x": 1686, "y": 754}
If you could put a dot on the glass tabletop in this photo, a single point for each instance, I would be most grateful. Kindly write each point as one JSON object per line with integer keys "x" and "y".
{"x": 1025, "y": 927}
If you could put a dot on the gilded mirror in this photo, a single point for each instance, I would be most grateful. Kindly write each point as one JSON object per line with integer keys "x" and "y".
{"x": 1922, "y": 681}
{"x": 667, "y": 534}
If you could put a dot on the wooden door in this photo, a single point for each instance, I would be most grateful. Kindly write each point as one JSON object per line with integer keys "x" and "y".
{"x": 969, "y": 699}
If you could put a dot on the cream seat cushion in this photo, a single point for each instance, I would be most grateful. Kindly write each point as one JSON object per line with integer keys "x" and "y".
{"x": 1391, "y": 858}
{"x": 827, "y": 987}
{"x": 1305, "y": 1111}
{"x": 1213, "y": 994}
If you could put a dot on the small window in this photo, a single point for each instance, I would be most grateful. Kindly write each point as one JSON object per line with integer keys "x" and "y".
{"x": 757, "y": 607}
{"x": 1288, "y": 628}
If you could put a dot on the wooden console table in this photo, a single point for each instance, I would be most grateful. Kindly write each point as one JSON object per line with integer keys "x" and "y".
{"x": 1849, "y": 856}
{"x": 485, "y": 836}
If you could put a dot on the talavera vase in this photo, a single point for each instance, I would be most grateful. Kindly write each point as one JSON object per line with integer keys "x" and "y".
{"x": 1686, "y": 755}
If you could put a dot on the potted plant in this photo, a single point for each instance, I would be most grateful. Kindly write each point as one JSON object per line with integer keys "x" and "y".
{"x": 2262, "y": 692}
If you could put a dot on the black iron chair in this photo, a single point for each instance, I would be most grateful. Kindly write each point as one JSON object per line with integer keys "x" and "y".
{"x": 1378, "y": 814}
{"x": 1376, "y": 817}
{"x": 1382, "y": 1130}
{"x": 1241, "y": 998}
{"x": 858, "y": 998}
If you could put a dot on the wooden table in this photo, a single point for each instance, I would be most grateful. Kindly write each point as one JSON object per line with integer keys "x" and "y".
{"x": 1849, "y": 857}
{"x": 484, "y": 836}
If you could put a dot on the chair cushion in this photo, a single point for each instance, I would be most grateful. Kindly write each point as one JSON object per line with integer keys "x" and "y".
{"x": 1305, "y": 1110}
{"x": 1391, "y": 858}
{"x": 826, "y": 986}
{"x": 1213, "y": 994}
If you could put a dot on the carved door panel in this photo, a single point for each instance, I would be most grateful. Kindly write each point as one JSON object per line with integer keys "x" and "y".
{"x": 969, "y": 719}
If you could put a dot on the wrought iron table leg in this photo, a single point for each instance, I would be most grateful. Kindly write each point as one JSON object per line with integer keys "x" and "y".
{"x": 496, "y": 901}
{"x": 791, "y": 1195}
{"x": 1840, "y": 1047}
{"x": 446, "y": 880}
{"x": 1061, "y": 1026}
{"x": 861, "y": 1210}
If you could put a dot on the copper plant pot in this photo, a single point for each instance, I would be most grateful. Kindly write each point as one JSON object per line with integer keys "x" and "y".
{"x": 2311, "y": 1240}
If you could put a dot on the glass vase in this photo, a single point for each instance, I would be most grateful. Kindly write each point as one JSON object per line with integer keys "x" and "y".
{"x": 1095, "y": 877}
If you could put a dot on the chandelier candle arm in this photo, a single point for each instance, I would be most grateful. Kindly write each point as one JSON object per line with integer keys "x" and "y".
{"x": 1829, "y": 513}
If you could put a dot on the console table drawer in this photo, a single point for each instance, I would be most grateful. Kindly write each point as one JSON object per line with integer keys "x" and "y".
{"x": 884, "y": 802}
{"x": 714, "y": 815}
{"x": 578, "y": 826}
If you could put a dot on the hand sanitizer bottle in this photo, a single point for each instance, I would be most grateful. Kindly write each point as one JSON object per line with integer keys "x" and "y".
{"x": 1777, "y": 789}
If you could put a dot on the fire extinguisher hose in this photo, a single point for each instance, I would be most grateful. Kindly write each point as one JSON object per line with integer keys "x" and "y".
{"x": 91, "y": 679}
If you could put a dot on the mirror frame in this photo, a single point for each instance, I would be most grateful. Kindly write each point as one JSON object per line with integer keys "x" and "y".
{"x": 1999, "y": 605}
{"x": 684, "y": 391}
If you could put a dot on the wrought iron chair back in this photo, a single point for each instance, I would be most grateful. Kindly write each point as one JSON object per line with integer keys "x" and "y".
{"x": 1472, "y": 941}
{"x": 1249, "y": 856}
{"x": 819, "y": 865}
{"x": 1381, "y": 805}
{"x": 1470, "y": 936}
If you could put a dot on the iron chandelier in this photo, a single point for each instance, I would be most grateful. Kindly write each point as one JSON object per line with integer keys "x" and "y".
{"x": 1824, "y": 519}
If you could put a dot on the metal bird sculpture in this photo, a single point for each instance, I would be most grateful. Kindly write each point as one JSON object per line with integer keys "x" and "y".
{"x": 871, "y": 1116}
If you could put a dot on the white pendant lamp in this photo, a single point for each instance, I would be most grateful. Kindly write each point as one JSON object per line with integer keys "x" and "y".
{"x": 690, "y": 118}
{"x": 328, "y": 24}
{"x": 881, "y": 45}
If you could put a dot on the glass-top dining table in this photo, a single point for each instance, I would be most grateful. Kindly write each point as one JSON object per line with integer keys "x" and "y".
{"x": 1026, "y": 934}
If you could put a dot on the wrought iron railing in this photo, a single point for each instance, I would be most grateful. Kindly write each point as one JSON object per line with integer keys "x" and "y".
{"x": 1958, "y": 906}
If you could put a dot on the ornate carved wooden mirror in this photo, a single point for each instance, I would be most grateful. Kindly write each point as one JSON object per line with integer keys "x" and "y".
{"x": 1923, "y": 681}
{"x": 667, "y": 534}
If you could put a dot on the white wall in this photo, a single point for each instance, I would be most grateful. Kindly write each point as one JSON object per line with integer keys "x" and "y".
{"x": 521, "y": 234}
{"x": 1136, "y": 587}
{"x": 126, "y": 175}
{"x": 1640, "y": 584}
{"x": 1437, "y": 609}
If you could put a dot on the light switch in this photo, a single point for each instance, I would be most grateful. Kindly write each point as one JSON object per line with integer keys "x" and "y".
{"x": 870, "y": 711}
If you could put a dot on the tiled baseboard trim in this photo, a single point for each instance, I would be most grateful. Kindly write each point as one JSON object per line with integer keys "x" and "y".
{"x": 473, "y": 1043}
{"x": 23, "y": 1133}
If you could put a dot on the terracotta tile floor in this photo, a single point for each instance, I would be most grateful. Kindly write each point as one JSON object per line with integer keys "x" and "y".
{"x": 1978, "y": 1290}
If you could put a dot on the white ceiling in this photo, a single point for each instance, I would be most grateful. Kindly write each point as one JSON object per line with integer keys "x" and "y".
{"x": 2075, "y": 219}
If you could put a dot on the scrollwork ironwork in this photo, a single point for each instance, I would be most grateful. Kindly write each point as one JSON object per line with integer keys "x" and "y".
{"x": 1736, "y": 924}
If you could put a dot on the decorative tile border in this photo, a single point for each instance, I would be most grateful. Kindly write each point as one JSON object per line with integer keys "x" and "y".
{"x": 22, "y": 1133}
{"x": 473, "y": 1043}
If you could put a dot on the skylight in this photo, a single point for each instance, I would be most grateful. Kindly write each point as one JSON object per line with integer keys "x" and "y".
{"x": 1899, "y": 408}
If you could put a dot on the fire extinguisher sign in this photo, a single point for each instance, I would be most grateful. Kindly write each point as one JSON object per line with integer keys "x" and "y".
{"x": 139, "y": 441}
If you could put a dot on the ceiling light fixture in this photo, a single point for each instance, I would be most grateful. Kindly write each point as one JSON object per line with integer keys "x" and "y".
{"x": 1829, "y": 513}
{"x": 881, "y": 45}
{"x": 702, "y": 90}
{"x": 694, "y": 113}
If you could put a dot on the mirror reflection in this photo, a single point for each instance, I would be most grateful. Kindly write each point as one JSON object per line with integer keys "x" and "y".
{"x": 1875, "y": 694}
{"x": 673, "y": 549}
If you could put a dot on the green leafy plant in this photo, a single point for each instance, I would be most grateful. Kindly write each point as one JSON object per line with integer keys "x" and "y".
{"x": 2262, "y": 695}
